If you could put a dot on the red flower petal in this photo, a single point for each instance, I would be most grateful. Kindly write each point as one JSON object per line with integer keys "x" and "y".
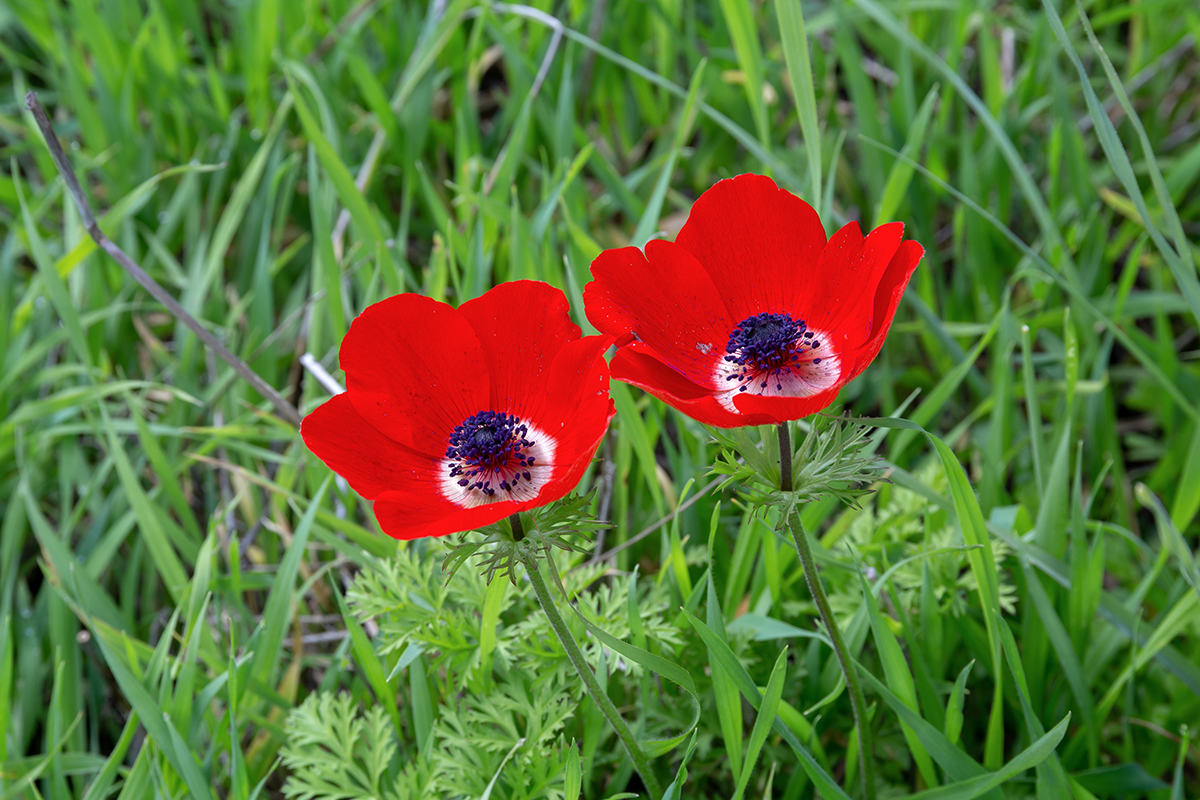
{"x": 759, "y": 410}
{"x": 642, "y": 368}
{"x": 757, "y": 242}
{"x": 522, "y": 326}
{"x": 371, "y": 462}
{"x": 412, "y": 515}
{"x": 575, "y": 407}
{"x": 414, "y": 369}
{"x": 841, "y": 295}
{"x": 663, "y": 299}
{"x": 887, "y": 298}
{"x": 576, "y": 413}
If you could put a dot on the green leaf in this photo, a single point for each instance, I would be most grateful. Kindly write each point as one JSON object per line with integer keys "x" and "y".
{"x": 899, "y": 678}
{"x": 725, "y": 693}
{"x": 794, "y": 41}
{"x": 954, "y": 708}
{"x": 764, "y": 722}
{"x": 158, "y": 724}
{"x": 367, "y": 659}
{"x": 729, "y": 662}
{"x": 983, "y": 566}
{"x": 1051, "y": 778}
{"x": 278, "y": 610}
{"x": 1187, "y": 490}
{"x": 1119, "y": 779}
{"x": 152, "y": 525}
{"x": 739, "y": 20}
{"x": 572, "y": 774}
{"x": 900, "y": 176}
{"x": 366, "y": 223}
{"x": 648, "y": 224}
{"x": 1028, "y": 758}
{"x": 649, "y": 661}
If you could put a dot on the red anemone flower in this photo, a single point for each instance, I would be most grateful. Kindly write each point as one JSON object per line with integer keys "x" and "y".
{"x": 453, "y": 419}
{"x": 750, "y": 317}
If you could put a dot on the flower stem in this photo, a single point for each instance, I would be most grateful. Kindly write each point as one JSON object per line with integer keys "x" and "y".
{"x": 590, "y": 683}
{"x": 518, "y": 530}
{"x": 858, "y": 703}
{"x": 785, "y": 457}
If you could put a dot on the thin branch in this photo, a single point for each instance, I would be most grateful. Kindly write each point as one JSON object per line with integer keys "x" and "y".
{"x": 684, "y": 506}
{"x": 321, "y": 374}
{"x": 282, "y": 407}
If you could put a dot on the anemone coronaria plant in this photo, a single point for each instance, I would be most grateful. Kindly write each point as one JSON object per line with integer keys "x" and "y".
{"x": 752, "y": 316}
{"x": 456, "y": 418}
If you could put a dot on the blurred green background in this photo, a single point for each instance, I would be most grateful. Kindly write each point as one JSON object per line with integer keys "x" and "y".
{"x": 189, "y": 608}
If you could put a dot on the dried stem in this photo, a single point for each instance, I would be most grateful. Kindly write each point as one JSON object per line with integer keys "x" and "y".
{"x": 282, "y": 407}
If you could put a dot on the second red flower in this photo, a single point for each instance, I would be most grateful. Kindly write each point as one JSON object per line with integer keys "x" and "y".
{"x": 750, "y": 317}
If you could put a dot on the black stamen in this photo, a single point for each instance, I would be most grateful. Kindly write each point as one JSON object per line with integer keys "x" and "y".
{"x": 485, "y": 447}
{"x": 768, "y": 344}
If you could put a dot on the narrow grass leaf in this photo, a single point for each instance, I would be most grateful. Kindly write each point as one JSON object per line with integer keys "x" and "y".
{"x": 739, "y": 20}
{"x": 958, "y": 766}
{"x": 794, "y": 41}
{"x": 368, "y": 660}
{"x": 364, "y": 219}
{"x": 899, "y": 678}
{"x": 1187, "y": 489}
{"x": 1060, "y": 640}
{"x": 1028, "y": 758}
{"x": 901, "y": 173}
{"x": 150, "y": 522}
{"x": 648, "y": 224}
{"x": 1051, "y": 777}
{"x": 764, "y": 722}
{"x": 725, "y": 693}
{"x": 954, "y": 707}
{"x": 158, "y": 725}
{"x": 983, "y": 565}
{"x": 278, "y": 609}
{"x": 741, "y": 678}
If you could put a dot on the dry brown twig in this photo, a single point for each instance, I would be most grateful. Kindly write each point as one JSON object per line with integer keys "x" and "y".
{"x": 283, "y": 408}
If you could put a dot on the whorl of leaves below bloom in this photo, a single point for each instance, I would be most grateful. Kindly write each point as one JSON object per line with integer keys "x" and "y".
{"x": 831, "y": 460}
{"x": 566, "y": 524}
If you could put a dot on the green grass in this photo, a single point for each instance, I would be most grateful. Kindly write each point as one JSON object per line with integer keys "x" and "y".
{"x": 190, "y": 607}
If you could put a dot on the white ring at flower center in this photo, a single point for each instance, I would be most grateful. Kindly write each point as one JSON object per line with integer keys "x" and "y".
{"x": 804, "y": 379}
{"x": 522, "y": 491}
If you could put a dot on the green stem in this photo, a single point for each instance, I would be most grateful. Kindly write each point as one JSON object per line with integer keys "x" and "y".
{"x": 858, "y": 703}
{"x": 597, "y": 693}
{"x": 785, "y": 457}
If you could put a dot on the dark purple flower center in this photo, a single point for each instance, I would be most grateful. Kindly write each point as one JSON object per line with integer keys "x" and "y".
{"x": 765, "y": 347}
{"x": 490, "y": 447}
